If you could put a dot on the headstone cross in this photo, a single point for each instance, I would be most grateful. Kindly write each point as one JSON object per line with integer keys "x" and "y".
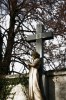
{"x": 39, "y": 37}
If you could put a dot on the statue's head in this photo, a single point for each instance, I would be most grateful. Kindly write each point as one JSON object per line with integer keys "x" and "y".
{"x": 35, "y": 54}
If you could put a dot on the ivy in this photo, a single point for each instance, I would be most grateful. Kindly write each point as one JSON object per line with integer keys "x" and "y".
{"x": 6, "y": 85}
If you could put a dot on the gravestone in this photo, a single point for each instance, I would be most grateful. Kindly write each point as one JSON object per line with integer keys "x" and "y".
{"x": 13, "y": 87}
{"x": 39, "y": 37}
{"x": 56, "y": 84}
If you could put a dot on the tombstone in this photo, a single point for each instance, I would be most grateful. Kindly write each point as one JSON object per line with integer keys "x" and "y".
{"x": 39, "y": 37}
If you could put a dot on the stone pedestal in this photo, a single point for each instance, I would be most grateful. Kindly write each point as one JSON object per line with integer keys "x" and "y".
{"x": 56, "y": 85}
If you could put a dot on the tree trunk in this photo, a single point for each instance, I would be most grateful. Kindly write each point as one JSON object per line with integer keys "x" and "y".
{"x": 4, "y": 65}
{"x": 1, "y": 43}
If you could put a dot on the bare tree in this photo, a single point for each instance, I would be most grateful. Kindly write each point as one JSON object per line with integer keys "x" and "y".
{"x": 21, "y": 15}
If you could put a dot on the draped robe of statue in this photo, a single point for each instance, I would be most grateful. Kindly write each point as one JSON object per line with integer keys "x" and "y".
{"x": 34, "y": 89}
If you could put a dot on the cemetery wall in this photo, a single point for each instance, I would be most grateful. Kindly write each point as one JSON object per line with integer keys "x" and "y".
{"x": 56, "y": 85}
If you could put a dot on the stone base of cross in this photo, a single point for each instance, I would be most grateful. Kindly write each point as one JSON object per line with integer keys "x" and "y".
{"x": 39, "y": 37}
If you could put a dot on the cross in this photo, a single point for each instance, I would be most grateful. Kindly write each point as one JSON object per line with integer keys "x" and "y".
{"x": 39, "y": 37}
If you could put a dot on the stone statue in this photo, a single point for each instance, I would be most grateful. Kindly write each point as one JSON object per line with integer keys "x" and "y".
{"x": 34, "y": 89}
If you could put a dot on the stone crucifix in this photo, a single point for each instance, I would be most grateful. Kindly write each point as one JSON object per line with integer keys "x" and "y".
{"x": 39, "y": 37}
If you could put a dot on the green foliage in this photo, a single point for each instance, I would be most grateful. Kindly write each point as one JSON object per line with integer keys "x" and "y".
{"x": 6, "y": 85}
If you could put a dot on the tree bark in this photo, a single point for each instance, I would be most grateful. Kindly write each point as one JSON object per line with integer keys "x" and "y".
{"x": 4, "y": 65}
